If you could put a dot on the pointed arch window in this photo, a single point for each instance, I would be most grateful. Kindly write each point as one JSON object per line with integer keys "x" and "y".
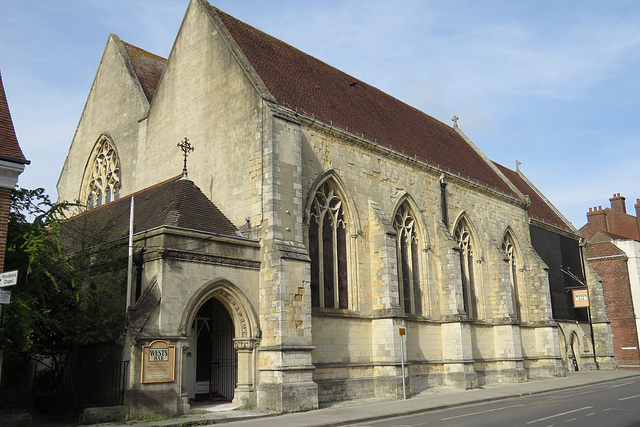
{"x": 103, "y": 184}
{"x": 328, "y": 249}
{"x": 509, "y": 248}
{"x": 408, "y": 260}
{"x": 465, "y": 242}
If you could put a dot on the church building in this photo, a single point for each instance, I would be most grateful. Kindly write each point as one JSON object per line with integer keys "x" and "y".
{"x": 294, "y": 228}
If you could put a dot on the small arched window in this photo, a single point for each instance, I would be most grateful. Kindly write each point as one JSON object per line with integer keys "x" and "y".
{"x": 103, "y": 181}
{"x": 408, "y": 260}
{"x": 328, "y": 249}
{"x": 509, "y": 248}
{"x": 465, "y": 242}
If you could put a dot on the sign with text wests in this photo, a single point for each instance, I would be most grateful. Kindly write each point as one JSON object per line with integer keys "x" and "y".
{"x": 158, "y": 362}
{"x": 580, "y": 298}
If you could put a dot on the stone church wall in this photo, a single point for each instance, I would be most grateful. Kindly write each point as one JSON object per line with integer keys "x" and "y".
{"x": 261, "y": 165}
{"x": 113, "y": 108}
{"x": 378, "y": 179}
{"x": 205, "y": 95}
{"x": 183, "y": 270}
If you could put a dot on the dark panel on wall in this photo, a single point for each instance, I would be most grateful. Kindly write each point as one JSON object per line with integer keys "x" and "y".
{"x": 560, "y": 252}
{"x": 571, "y": 260}
{"x": 572, "y": 263}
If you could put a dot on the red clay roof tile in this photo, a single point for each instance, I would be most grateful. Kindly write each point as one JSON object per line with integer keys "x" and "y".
{"x": 600, "y": 246}
{"x": 175, "y": 202}
{"x": 9, "y": 148}
{"x": 305, "y": 84}
{"x": 311, "y": 87}
{"x": 147, "y": 66}
{"x": 539, "y": 208}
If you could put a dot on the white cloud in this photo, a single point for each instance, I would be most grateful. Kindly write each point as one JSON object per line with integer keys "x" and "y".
{"x": 548, "y": 83}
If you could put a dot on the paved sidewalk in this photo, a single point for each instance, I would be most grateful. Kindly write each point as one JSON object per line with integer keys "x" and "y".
{"x": 372, "y": 409}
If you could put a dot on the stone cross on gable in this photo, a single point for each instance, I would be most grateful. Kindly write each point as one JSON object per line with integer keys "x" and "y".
{"x": 186, "y": 148}
{"x": 455, "y": 119}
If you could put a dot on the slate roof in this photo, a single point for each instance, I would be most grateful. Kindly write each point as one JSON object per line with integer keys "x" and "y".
{"x": 147, "y": 66}
{"x": 540, "y": 208}
{"x": 175, "y": 202}
{"x": 9, "y": 148}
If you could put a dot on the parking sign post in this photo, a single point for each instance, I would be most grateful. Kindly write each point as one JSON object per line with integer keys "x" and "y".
{"x": 404, "y": 387}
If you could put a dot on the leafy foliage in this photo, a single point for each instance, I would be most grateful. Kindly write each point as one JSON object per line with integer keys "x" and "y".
{"x": 33, "y": 249}
{"x": 71, "y": 283}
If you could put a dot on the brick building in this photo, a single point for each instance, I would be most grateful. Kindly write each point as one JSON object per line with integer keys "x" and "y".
{"x": 613, "y": 250}
{"x": 12, "y": 163}
{"x": 354, "y": 216}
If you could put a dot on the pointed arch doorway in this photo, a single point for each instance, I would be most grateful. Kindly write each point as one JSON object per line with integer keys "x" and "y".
{"x": 215, "y": 360}
{"x": 223, "y": 334}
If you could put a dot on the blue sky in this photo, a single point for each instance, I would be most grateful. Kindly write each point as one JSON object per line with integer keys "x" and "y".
{"x": 553, "y": 84}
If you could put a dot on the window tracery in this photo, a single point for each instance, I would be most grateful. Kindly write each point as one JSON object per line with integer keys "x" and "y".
{"x": 104, "y": 181}
{"x": 328, "y": 249}
{"x": 509, "y": 248}
{"x": 408, "y": 260}
{"x": 465, "y": 242}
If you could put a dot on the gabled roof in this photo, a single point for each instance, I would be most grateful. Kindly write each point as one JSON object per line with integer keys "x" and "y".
{"x": 309, "y": 86}
{"x": 540, "y": 209}
{"x": 148, "y": 68}
{"x": 600, "y": 246}
{"x": 9, "y": 148}
{"x": 175, "y": 203}
{"x": 595, "y": 235}
{"x": 600, "y": 236}
{"x": 313, "y": 88}
{"x": 588, "y": 230}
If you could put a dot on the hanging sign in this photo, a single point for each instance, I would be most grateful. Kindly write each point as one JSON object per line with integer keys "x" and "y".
{"x": 158, "y": 362}
{"x": 580, "y": 298}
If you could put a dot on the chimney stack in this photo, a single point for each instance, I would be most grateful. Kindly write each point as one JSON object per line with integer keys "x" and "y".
{"x": 618, "y": 204}
{"x": 597, "y": 218}
{"x": 638, "y": 214}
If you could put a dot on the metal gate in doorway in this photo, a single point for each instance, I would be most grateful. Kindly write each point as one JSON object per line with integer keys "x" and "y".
{"x": 217, "y": 363}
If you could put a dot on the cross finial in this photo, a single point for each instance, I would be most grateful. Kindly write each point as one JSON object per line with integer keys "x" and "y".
{"x": 186, "y": 148}
{"x": 454, "y": 119}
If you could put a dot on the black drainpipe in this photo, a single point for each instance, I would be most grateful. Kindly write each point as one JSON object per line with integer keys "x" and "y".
{"x": 138, "y": 260}
{"x": 443, "y": 193}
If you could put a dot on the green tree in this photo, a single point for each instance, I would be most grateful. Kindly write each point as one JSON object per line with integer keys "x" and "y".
{"x": 70, "y": 290}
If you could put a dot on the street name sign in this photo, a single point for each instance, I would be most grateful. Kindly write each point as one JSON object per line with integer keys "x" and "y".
{"x": 5, "y": 296}
{"x": 8, "y": 278}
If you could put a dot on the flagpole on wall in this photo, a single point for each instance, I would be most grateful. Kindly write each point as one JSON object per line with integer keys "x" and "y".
{"x": 130, "y": 261}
